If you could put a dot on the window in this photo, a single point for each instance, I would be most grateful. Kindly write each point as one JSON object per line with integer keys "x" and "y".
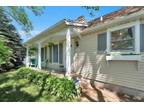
{"x": 45, "y": 53}
{"x": 55, "y": 53}
{"x": 142, "y": 38}
{"x": 42, "y": 54}
{"x": 102, "y": 42}
{"x": 50, "y": 49}
{"x": 60, "y": 53}
{"x": 123, "y": 39}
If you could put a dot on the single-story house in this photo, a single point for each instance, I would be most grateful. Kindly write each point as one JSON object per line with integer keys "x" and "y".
{"x": 108, "y": 49}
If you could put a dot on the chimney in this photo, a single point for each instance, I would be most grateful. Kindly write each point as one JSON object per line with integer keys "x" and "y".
{"x": 80, "y": 19}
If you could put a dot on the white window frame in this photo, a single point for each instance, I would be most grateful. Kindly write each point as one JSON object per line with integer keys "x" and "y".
{"x": 136, "y": 25}
{"x": 117, "y": 55}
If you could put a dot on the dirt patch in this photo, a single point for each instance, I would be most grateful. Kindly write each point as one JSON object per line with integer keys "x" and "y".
{"x": 92, "y": 93}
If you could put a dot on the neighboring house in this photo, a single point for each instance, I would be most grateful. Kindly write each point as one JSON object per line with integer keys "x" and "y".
{"x": 108, "y": 49}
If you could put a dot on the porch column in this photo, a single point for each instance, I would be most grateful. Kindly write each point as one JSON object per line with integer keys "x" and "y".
{"x": 27, "y": 56}
{"x": 108, "y": 41}
{"x": 68, "y": 53}
{"x": 39, "y": 55}
{"x": 137, "y": 37}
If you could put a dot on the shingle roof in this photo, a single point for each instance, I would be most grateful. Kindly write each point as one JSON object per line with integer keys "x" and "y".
{"x": 119, "y": 13}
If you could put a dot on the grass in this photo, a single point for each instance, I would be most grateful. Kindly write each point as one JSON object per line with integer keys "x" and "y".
{"x": 13, "y": 89}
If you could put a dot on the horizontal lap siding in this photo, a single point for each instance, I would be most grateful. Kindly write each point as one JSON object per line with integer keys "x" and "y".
{"x": 94, "y": 66}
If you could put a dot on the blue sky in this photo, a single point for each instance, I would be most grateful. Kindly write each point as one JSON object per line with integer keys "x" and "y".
{"x": 52, "y": 14}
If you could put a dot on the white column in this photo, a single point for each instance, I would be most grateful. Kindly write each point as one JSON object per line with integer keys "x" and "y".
{"x": 137, "y": 37}
{"x": 108, "y": 42}
{"x": 68, "y": 53}
{"x": 39, "y": 55}
{"x": 27, "y": 56}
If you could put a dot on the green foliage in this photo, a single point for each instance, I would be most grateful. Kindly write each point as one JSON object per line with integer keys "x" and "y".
{"x": 10, "y": 42}
{"x": 4, "y": 53}
{"x": 32, "y": 51}
{"x": 19, "y": 14}
{"x": 62, "y": 88}
{"x": 50, "y": 44}
{"x": 91, "y": 9}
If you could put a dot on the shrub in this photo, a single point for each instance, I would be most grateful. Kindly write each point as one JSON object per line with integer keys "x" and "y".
{"x": 62, "y": 88}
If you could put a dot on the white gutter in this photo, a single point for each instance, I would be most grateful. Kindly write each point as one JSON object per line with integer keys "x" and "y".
{"x": 108, "y": 23}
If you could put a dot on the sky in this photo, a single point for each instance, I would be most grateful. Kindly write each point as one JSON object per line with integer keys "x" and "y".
{"x": 53, "y": 14}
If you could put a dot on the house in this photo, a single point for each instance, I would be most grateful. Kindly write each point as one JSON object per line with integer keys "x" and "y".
{"x": 108, "y": 49}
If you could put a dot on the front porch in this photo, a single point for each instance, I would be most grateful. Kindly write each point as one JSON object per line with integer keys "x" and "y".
{"x": 51, "y": 55}
{"x": 55, "y": 47}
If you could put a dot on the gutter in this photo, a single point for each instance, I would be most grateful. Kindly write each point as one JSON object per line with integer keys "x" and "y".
{"x": 105, "y": 24}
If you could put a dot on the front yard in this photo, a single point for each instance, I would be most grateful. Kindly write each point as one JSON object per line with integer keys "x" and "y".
{"x": 17, "y": 87}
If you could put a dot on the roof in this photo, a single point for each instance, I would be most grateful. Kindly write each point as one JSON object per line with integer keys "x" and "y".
{"x": 113, "y": 15}
{"x": 79, "y": 22}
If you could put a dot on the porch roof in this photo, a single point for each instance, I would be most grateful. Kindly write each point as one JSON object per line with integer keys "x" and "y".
{"x": 59, "y": 25}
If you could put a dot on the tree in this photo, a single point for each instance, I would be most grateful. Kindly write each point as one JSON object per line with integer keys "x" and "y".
{"x": 91, "y": 9}
{"x": 19, "y": 14}
{"x": 5, "y": 52}
{"x": 12, "y": 51}
{"x": 11, "y": 47}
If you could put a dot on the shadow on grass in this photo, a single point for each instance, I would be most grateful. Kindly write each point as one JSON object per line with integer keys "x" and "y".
{"x": 14, "y": 94}
{"x": 12, "y": 90}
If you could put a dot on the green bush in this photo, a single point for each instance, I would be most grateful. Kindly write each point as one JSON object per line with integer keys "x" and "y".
{"x": 62, "y": 88}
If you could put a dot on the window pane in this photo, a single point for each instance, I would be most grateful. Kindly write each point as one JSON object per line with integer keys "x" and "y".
{"x": 123, "y": 39}
{"x": 55, "y": 53}
{"x": 102, "y": 42}
{"x": 142, "y": 38}
{"x": 45, "y": 53}
{"x": 42, "y": 54}
{"x": 50, "y": 49}
{"x": 60, "y": 53}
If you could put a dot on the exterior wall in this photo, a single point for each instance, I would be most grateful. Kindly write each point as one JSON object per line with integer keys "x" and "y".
{"x": 92, "y": 65}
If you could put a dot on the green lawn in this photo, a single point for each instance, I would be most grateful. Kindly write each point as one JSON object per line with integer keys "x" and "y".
{"x": 13, "y": 89}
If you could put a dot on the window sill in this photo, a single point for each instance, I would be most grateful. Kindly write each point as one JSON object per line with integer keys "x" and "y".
{"x": 127, "y": 57}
